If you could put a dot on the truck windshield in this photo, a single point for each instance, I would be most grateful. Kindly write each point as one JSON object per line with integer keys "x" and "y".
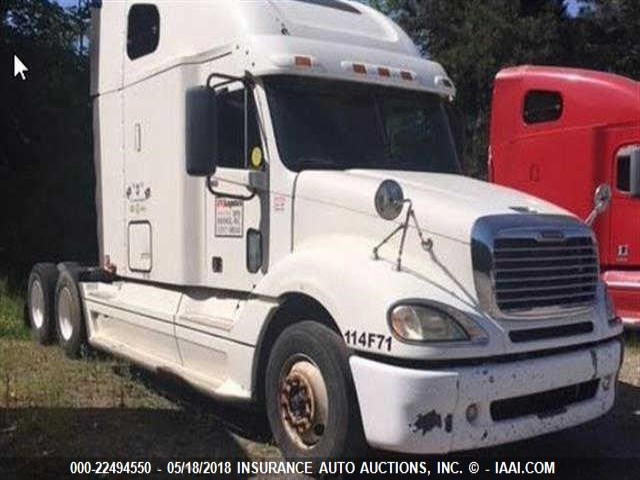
{"x": 337, "y": 125}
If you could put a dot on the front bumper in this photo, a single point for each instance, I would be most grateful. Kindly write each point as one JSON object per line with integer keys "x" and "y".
{"x": 624, "y": 288}
{"x": 424, "y": 411}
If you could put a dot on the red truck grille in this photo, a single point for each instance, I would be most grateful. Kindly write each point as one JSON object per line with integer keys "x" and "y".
{"x": 529, "y": 273}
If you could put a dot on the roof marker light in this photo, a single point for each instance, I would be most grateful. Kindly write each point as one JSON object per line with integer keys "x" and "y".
{"x": 303, "y": 62}
{"x": 406, "y": 75}
{"x": 359, "y": 68}
{"x": 384, "y": 72}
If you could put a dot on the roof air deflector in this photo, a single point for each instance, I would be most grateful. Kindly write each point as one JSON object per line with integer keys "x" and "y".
{"x": 335, "y": 4}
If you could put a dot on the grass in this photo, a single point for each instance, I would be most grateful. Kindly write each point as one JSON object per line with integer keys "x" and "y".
{"x": 630, "y": 371}
{"x": 102, "y": 406}
{"x": 36, "y": 376}
{"x": 11, "y": 311}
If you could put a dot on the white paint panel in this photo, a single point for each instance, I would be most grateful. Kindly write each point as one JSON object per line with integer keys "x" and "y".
{"x": 202, "y": 354}
{"x": 136, "y": 315}
{"x": 111, "y": 47}
{"x": 426, "y": 411}
{"x": 208, "y": 310}
{"x": 157, "y": 188}
{"x": 140, "y": 253}
{"x": 109, "y": 168}
{"x": 147, "y": 335}
{"x": 228, "y": 240}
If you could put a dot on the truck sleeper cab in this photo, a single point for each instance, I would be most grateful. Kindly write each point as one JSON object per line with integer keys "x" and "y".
{"x": 283, "y": 220}
{"x": 559, "y": 133}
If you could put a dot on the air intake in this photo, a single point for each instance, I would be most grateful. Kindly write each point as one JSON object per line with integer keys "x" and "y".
{"x": 534, "y": 265}
{"x": 530, "y": 273}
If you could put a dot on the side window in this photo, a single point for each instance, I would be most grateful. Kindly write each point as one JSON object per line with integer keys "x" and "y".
{"x": 233, "y": 152}
{"x": 143, "y": 30}
{"x": 541, "y": 106}
{"x": 623, "y": 164}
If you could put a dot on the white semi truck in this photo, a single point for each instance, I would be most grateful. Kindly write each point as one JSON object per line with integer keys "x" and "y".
{"x": 282, "y": 220}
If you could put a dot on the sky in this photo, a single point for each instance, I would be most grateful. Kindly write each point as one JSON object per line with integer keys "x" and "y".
{"x": 68, "y": 3}
{"x": 571, "y": 5}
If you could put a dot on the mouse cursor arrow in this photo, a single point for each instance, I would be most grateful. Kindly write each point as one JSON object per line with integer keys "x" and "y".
{"x": 19, "y": 68}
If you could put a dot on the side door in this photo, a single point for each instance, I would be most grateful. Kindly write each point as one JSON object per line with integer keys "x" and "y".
{"x": 625, "y": 210}
{"x": 237, "y": 203}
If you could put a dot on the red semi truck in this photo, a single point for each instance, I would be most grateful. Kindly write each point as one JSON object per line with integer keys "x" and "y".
{"x": 573, "y": 131}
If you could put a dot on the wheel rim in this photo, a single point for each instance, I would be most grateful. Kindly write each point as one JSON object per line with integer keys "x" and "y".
{"x": 64, "y": 314}
{"x": 303, "y": 400}
{"x": 37, "y": 304}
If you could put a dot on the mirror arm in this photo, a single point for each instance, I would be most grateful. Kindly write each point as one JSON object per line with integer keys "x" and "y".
{"x": 592, "y": 217}
{"x": 255, "y": 181}
{"x": 601, "y": 201}
{"x": 247, "y": 80}
{"x": 245, "y": 198}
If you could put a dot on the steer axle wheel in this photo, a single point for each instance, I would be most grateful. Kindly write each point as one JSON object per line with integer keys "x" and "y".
{"x": 310, "y": 400}
{"x": 303, "y": 402}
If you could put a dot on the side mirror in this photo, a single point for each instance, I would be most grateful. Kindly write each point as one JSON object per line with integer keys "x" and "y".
{"x": 601, "y": 201}
{"x": 634, "y": 173}
{"x": 389, "y": 200}
{"x": 201, "y": 131}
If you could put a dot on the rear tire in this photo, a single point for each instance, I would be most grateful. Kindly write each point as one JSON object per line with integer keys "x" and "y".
{"x": 309, "y": 395}
{"x": 41, "y": 301}
{"x": 70, "y": 323}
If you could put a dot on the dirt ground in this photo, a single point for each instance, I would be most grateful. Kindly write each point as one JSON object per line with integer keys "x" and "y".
{"x": 102, "y": 407}
{"x": 99, "y": 406}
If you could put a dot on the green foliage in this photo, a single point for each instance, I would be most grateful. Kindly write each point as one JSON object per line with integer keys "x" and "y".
{"x": 474, "y": 39}
{"x": 11, "y": 311}
{"x": 609, "y": 36}
{"x": 46, "y": 166}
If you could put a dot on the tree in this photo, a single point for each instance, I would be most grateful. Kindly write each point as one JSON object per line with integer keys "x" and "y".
{"x": 46, "y": 169}
{"x": 474, "y": 39}
{"x": 609, "y": 31}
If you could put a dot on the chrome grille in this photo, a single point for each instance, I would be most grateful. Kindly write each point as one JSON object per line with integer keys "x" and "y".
{"x": 534, "y": 266}
{"x": 532, "y": 273}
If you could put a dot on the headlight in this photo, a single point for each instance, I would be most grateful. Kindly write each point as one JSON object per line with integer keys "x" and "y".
{"x": 438, "y": 323}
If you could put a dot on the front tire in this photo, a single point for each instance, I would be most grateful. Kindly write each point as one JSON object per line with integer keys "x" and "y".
{"x": 310, "y": 399}
{"x": 69, "y": 318}
{"x": 41, "y": 301}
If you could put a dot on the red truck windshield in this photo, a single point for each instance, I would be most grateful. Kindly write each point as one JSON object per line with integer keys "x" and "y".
{"x": 337, "y": 125}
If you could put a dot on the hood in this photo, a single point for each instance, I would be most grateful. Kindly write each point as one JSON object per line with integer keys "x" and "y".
{"x": 445, "y": 204}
